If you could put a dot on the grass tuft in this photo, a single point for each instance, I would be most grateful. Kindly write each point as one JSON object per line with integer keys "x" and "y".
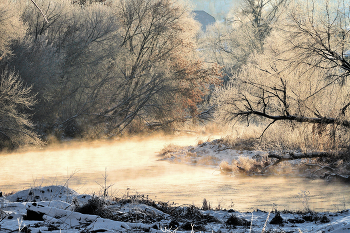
{"x": 233, "y": 220}
{"x": 95, "y": 206}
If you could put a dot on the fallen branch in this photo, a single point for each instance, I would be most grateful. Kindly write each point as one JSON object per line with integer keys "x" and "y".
{"x": 293, "y": 156}
{"x": 330, "y": 175}
{"x": 301, "y": 119}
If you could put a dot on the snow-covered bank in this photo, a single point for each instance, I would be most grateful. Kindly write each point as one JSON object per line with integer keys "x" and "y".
{"x": 207, "y": 153}
{"x": 54, "y": 209}
{"x": 245, "y": 159}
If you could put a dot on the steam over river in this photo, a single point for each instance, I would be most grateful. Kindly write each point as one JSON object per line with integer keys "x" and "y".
{"x": 134, "y": 165}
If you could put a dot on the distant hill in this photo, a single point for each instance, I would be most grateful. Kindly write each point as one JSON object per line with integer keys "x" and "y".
{"x": 216, "y": 8}
{"x": 204, "y": 18}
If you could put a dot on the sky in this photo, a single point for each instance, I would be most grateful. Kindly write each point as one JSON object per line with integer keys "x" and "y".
{"x": 217, "y": 8}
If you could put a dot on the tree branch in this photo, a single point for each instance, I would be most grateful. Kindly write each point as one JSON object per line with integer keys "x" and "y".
{"x": 40, "y": 10}
{"x": 301, "y": 119}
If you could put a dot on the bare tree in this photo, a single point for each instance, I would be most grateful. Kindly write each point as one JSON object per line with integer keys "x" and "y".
{"x": 231, "y": 44}
{"x": 16, "y": 129}
{"x": 161, "y": 77}
{"x": 11, "y": 27}
{"x": 65, "y": 59}
{"x": 112, "y": 65}
{"x": 261, "y": 14}
{"x": 319, "y": 35}
{"x": 16, "y": 99}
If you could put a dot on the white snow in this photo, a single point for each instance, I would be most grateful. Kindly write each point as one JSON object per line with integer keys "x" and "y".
{"x": 58, "y": 216}
{"x": 210, "y": 154}
{"x": 48, "y": 193}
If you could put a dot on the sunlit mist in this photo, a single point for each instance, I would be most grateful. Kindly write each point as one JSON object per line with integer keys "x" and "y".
{"x": 134, "y": 166}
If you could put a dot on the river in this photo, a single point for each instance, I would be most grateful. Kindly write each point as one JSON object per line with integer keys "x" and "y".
{"x": 133, "y": 166}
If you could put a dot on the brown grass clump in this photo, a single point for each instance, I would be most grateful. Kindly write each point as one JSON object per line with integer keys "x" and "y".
{"x": 191, "y": 154}
{"x": 205, "y": 205}
{"x": 167, "y": 150}
{"x": 233, "y": 220}
{"x": 248, "y": 165}
{"x": 200, "y": 142}
{"x": 225, "y": 167}
{"x": 241, "y": 143}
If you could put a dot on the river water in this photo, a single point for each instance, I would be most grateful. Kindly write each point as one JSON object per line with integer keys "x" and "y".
{"x": 132, "y": 166}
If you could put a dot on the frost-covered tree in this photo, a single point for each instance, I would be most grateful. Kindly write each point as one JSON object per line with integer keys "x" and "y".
{"x": 232, "y": 42}
{"x": 65, "y": 58}
{"x": 103, "y": 67}
{"x": 11, "y": 27}
{"x": 16, "y": 99}
{"x": 302, "y": 76}
{"x": 163, "y": 78}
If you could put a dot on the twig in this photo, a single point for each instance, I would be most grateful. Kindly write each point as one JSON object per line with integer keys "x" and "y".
{"x": 105, "y": 187}
{"x": 266, "y": 129}
{"x": 40, "y": 10}
{"x": 267, "y": 219}
{"x": 251, "y": 223}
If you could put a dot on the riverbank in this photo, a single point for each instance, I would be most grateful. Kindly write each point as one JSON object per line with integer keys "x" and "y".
{"x": 58, "y": 209}
{"x": 242, "y": 157}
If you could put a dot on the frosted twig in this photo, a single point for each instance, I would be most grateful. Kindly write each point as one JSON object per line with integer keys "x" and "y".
{"x": 40, "y": 10}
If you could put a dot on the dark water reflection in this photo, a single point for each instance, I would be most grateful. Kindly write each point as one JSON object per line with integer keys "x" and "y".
{"x": 134, "y": 166}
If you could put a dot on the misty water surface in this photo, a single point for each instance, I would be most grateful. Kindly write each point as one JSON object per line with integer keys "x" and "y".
{"x": 133, "y": 166}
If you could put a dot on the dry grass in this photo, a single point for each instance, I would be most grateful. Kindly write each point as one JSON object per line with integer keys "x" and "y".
{"x": 225, "y": 166}
{"x": 285, "y": 137}
{"x": 168, "y": 149}
{"x": 3, "y": 214}
{"x": 279, "y": 139}
{"x": 249, "y": 165}
{"x": 191, "y": 154}
{"x": 282, "y": 138}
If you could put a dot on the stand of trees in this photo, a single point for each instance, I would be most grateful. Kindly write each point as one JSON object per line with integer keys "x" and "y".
{"x": 300, "y": 76}
{"x": 94, "y": 69}
{"x": 232, "y": 43}
{"x": 101, "y": 68}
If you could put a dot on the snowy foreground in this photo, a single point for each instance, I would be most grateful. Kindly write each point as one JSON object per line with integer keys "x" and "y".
{"x": 54, "y": 209}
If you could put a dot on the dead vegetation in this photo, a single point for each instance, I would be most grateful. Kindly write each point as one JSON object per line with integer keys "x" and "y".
{"x": 142, "y": 214}
{"x": 317, "y": 152}
{"x": 300, "y": 151}
{"x": 140, "y": 209}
